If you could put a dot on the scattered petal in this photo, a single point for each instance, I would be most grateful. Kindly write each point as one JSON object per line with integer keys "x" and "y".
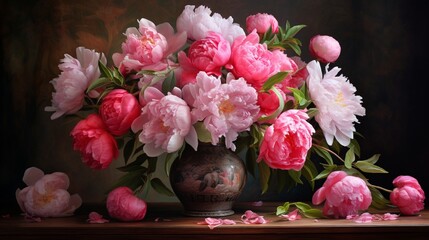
{"x": 95, "y": 217}
{"x": 216, "y": 222}
{"x": 364, "y": 218}
{"x": 390, "y": 216}
{"x": 292, "y": 216}
{"x": 30, "y": 218}
{"x": 250, "y": 217}
{"x": 257, "y": 204}
{"x": 159, "y": 219}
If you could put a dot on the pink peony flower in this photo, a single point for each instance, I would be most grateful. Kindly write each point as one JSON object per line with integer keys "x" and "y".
{"x": 165, "y": 123}
{"x": 408, "y": 196}
{"x": 75, "y": 77}
{"x": 345, "y": 195}
{"x": 96, "y": 145}
{"x": 208, "y": 54}
{"x": 118, "y": 110}
{"x": 148, "y": 47}
{"x": 325, "y": 48}
{"x": 287, "y": 141}
{"x": 197, "y": 22}
{"x": 46, "y": 195}
{"x": 226, "y": 109}
{"x": 261, "y": 22}
{"x": 255, "y": 63}
{"x": 337, "y": 104}
{"x": 123, "y": 205}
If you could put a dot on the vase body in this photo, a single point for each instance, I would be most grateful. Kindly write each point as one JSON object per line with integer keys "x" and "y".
{"x": 208, "y": 181}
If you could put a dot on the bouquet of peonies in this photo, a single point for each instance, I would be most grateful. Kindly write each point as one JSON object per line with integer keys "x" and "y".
{"x": 210, "y": 80}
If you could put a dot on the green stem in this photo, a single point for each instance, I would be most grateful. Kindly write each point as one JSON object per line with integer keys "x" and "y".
{"x": 378, "y": 187}
{"x": 329, "y": 150}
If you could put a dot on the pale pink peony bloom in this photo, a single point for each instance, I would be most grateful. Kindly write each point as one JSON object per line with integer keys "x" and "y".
{"x": 123, "y": 205}
{"x": 325, "y": 48}
{"x": 255, "y": 63}
{"x": 118, "y": 110}
{"x": 261, "y": 22}
{"x": 408, "y": 196}
{"x": 197, "y": 22}
{"x": 226, "y": 109}
{"x": 165, "y": 123}
{"x": 46, "y": 195}
{"x": 336, "y": 102}
{"x": 250, "y": 217}
{"x": 75, "y": 77}
{"x": 208, "y": 54}
{"x": 97, "y": 146}
{"x": 148, "y": 47}
{"x": 343, "y": 195}
{"x": 287, "y": 141}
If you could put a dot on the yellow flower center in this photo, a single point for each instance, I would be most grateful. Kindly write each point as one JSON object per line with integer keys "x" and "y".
{"x": 340, "y": 99}
{"x": 226, "y": 107}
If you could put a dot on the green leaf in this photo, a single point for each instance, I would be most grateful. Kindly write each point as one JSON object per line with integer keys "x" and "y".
{"x": 135, "y": 165}
{"x": 355, "y": 145}
{"x": 378, "y": 199}
{"x": 299, "y": 96}
{"x": 203, "y": 134}
{"x": 369, "y": 167}
{"x": 264, "y": 175}
{"x": 302, "y": 206}
{"x": 160, "y": 187}
{"x": 309, "y": 172}
{"x": 100, "y": 82}
{"x": 169, "y": 159}
{"x": 296, "y": 176}
{"x": 326, "y": 172}
{"x": 276, "y": 78}
{"x": 169, "y": 82}
{"x": 291, "y": 32}
{"x": 323, "y": 153}
{"x": 133, "y": 180}
{"x": 313, "y": 213}
{"x": 128, "y": 150}
{"x": 152, "y": 164}
{"x": 350, "y": 158}
{"x": 373, "y": 159}
{"x": 283, "y": 209}
{"x": 104, "y": 70}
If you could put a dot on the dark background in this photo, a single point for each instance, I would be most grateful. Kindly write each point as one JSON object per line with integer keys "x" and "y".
{"x": 384, "y": 54}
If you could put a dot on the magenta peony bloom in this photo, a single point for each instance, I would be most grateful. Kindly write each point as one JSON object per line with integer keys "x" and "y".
{"x": 261, "y": 22}
{"x": 345, "y": 195}
{"x": 165, "y": 123}
{"x": 287, "y": 141}
{"x": 408, "y": 196}
{"x": 198, "y": 22}
{"x": 123, "y": 205}
{"x": 208, "y": 54}
{"x": 325, "y": 48}
{"x": 46, "y": 195}
{"x": 226, "y": 109}
{"x": 96, "y": 145}
{"x": 118, "y": 110}
{"x": 75, "y": 77}
{"x": 148, "y": 47}
{"x": 337, "y": 104}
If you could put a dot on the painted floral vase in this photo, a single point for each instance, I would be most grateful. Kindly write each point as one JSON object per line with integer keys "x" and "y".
{"x": 208, "y": 181}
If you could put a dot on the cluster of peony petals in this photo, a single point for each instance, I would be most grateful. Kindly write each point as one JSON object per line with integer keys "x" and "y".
{"x": 123, "y": 205}
{"x": 46, "y": 195}
{"x": 97, "y": 146}
{"x": 344, "y": 195}
{"x": 407, "y": 195}
{"x": 75, "y": 77}
{"x": 287, "y": 141}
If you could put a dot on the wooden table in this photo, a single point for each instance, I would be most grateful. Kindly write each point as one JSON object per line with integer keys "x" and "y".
{"x": 172, "y": 224}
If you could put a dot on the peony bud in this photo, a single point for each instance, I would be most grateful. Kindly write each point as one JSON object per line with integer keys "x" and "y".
{"x": 325, "y": 48}
{"x": 408, "y": 196}
{"x": 123, "y": 205}
{"x": 261, "y": 22}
